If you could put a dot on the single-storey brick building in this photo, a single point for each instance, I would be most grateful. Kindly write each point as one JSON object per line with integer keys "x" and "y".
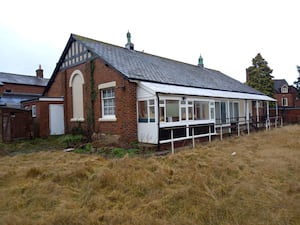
{"x": 102, "y": 88}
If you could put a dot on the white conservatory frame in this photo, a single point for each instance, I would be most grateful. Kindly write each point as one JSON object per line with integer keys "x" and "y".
{"x": 150, "y": 131}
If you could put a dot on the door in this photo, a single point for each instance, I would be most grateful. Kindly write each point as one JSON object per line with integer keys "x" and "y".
{"x": 56, "y": 119}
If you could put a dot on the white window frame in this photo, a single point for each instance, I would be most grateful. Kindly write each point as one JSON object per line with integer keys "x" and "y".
{"x": 102, "y": 87}
{"x": 219, "y": 113}
{"x": 284, "y": 100}
{"x": 232, "y": 113}
{"x": 187, "y": 104}
{"x": 150, "y": 107}
{"x": 33, "y": 111}
{"x": 284, "y": 89}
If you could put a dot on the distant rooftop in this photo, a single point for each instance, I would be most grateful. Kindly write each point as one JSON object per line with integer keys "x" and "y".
{"x": 22, "y": 79}
{"x": 13, "y": 100}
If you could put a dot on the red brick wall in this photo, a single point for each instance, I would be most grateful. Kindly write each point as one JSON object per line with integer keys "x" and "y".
{"x": 289, "y": 115}
{"x": 125, "y": 101}
{"x": 291, "y": 97}
{"x": 40, "y": 126}
{"x": 57, "y": 89}
{"x": 22, "y": 88}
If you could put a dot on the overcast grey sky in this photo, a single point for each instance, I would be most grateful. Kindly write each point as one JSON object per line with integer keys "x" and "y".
{"x": 228, "y": 34}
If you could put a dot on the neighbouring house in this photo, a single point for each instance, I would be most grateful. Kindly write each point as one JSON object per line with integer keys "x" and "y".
{"x": 288, "y": 101}
{"x": 15, "y": 88}
{"x": 105, "y": 89}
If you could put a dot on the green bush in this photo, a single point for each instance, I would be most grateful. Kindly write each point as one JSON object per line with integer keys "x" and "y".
{"x": 118, "y": 152}
{"x": 71, "y": 140}
{"x": 121, "y": 152}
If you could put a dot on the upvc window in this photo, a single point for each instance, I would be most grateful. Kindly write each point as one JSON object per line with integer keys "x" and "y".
{"x": 284, "y": 101}
{"x": 284, "y": 89}
{"x": 172, "y": 110}
{"x": 220, "y": 108}
{"x": 234, "y": 111}
{"x": 108, "y": 102}
{"x": 146, "y": 111}
{"x": 183, "y": 110}
{"x": 33, "y": 110}
{"x": 190, "y": 110}
{"x": 201, "y": 110}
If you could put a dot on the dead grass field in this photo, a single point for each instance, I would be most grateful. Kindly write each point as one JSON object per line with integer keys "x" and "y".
{"x": 258, "y": 185}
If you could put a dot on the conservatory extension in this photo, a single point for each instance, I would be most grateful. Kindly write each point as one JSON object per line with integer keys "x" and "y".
{"x": 169, "y": 113}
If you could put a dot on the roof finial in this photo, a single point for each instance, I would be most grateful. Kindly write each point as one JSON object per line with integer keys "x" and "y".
{"x": 129, "y": 45}
{"x": 128, "y": 37}
{"x": 200, "y": 61}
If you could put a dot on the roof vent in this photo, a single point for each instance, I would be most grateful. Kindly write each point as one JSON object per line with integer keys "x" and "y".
{"x": 129, "y": 45}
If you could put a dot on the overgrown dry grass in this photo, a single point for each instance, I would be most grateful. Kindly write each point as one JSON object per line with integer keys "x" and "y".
{"x": 207, "y": 185}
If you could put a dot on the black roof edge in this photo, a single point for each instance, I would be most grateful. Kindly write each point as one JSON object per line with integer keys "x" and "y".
{"x": 58, "y": 64}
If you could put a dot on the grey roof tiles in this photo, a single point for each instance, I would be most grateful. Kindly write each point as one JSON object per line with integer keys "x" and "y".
{"x": 142, "y": 66}
{"x": 22, "y": 79}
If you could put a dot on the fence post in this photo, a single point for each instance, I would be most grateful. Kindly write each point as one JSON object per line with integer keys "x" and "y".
{"x": 172, "y": 141}
{"x": 193, "y": 138}
{"x": 209, "y": 137}
{"x": 221, "y": 131}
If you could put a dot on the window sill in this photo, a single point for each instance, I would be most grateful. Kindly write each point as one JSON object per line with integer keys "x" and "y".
{"x": 77, "y": 120}
{"x": 107, "y": 119}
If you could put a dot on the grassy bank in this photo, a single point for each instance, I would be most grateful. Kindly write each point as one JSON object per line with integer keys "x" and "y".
{"x": 252, "y": 179}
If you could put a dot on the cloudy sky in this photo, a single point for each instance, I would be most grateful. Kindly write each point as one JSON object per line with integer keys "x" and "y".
{"x": 228, "y": 34}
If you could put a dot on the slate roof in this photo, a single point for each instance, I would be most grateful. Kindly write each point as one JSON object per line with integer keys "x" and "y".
{"x": 22, "y": 79}
{"x": 142, "y": 66}
{"x": 278, "y": 83}
{"x": 14, "y": 99}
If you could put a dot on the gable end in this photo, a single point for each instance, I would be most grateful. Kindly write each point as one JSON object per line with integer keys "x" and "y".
{"x": 76, "y": 54}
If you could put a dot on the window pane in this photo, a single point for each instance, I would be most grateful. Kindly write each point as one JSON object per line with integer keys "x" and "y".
{"x": 162, "y": 114}
{"x": 204, "y": 110}
{"x": 152, "y": 113}
{"x": 220, "y": 108}
{"x": 223, "y": 112}
{"x": 212, "y": 113}
{"x": 151, "y": 102}
{"x": 183, "y": 113}
{"x": 172, "y": 110}
{"x": 190, "y": 113}
{"x": 201, "y": 110}
{"x": 236, "y": 111}
{"x": 143, "y": 113}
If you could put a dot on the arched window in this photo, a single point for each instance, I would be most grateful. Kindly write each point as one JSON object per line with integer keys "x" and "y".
{"x": 76, "y": 83}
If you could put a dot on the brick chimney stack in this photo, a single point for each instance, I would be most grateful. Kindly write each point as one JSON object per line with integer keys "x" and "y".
{"x": 40, "y": 72}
